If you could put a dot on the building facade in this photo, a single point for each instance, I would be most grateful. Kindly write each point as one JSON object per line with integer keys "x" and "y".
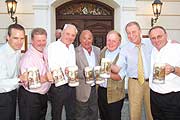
{"x": 47, "y": 14}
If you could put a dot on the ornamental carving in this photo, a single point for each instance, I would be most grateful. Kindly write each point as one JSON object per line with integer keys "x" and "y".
{"x": 84, "y": 9}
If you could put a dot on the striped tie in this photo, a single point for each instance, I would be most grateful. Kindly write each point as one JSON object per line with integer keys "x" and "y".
{"x": 140, "y": 66}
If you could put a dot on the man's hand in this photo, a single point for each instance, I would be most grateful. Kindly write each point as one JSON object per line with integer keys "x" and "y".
{"x": 24, "y": 79}
{"x": 49, "y": 77}
{"x": 169, "y": 69}
{"x": 43, "y": 78}
{"x": 115, "y": 69}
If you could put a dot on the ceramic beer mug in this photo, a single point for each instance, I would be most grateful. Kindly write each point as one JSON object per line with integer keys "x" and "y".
{"x": 97, "y": 71}
{"x": 33, "y": 78}
{"x": 72, "y": 74}
{"x": 159, "y": 73}
{"x": 58, "y": 76}
{"x": 105, "y": 68}
{"x": 88, "y": 71}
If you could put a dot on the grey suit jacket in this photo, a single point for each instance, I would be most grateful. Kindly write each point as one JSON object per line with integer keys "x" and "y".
{"x": 83, "y": 90}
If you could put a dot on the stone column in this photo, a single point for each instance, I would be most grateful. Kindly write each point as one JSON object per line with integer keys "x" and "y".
{"x": 128, "y": 13}
{"x": 41, "y": 15}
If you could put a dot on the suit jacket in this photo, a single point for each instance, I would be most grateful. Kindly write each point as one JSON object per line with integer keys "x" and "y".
{"x": 83, "y": 90}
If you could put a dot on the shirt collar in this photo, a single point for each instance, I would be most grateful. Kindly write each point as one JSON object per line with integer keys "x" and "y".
{"x": 117, "y": 50}
{"x": 87, "y": 51}
{"x": 36, "y": 51}
{"x": 134, "y": 45}
{"x": 63, "y": 44}
{"x": 164, "y": 47}
{"x": 60, "y": 42}
{"x": 11, "y": 50}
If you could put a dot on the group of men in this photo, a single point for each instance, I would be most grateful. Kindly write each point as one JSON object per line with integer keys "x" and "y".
{"x": 134, "y": 60}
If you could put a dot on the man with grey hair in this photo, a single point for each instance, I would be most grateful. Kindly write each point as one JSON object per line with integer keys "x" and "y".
{"x": 61, "y": 53}
{"x": 58, "y": 34}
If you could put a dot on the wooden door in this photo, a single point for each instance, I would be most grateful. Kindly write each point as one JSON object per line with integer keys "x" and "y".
{"x": 86, "y": 14}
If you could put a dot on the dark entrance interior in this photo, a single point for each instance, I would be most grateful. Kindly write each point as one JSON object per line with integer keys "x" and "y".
{"x": 87, "y": 14}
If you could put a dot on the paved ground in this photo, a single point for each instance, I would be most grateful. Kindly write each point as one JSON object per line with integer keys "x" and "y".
{"x": 125, "y": 112}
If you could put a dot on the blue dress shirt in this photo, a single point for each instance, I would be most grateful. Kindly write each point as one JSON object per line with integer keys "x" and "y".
{"x": 130, "y": 52}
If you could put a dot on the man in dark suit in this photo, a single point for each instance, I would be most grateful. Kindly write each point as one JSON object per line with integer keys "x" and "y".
{"x": 87, "y": 55}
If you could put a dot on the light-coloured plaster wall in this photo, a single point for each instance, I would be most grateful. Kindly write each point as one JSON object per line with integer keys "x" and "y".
{"x": 25, "y": 15}
{"x": 41, "y": 13}
{"x": 169, "y": 18}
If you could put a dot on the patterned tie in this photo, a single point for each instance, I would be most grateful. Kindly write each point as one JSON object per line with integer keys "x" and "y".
{"x": 140, "y": 66}
{"x": 45, "y": 61}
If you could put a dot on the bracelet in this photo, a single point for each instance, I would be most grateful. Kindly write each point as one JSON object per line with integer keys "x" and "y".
{"x": 173, "y": 71}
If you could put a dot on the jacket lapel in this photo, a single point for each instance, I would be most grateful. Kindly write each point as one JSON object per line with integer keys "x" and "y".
{"x": 82, "y": 56}
{"x": 96, "y": 55}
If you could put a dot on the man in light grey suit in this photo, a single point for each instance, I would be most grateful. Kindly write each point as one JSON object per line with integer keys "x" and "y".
{"x": 87, "y": 55}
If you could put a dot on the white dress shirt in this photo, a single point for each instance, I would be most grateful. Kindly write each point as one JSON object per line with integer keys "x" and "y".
{"x": 170, "y": 54}
{"x": 61, "y": 56}
{"x": 9, "y": 63}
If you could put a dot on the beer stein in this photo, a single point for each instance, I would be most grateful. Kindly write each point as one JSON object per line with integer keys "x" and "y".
{"x": 33, "y": 78}
{"x": 88, "y": 71}
{"x": 105, "y": 68}
{"x": 97, "y": 70}
{"x": 72, "y": 74}
{"x": 159, "y": 73}
{"x": 58, "y": 77}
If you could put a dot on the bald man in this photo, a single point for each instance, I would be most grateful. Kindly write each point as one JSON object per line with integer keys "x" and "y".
{"x": 87, "y": 55}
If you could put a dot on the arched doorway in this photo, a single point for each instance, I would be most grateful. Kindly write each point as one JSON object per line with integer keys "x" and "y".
{"x": 87, "y": 14}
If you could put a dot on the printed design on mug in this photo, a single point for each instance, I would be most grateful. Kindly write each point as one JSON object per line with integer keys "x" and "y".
{"x": 72, "y": 74}
{"x": 93, "y": 75}
{"x": 159, "y": 73}
{"x": 105, "y": 68}
{"x": 33, "y": 78}
{"x": 58, "y": 76}
{"x": 97, "y": 72}
{"x": 89, "y": 75}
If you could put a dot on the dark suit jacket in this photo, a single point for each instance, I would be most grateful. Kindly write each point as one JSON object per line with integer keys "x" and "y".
{"x": 83, "y": 90}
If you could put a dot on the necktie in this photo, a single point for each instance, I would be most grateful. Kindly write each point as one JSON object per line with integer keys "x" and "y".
{"x": 45, "y": 61}
{"x": 140, "y": 66}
